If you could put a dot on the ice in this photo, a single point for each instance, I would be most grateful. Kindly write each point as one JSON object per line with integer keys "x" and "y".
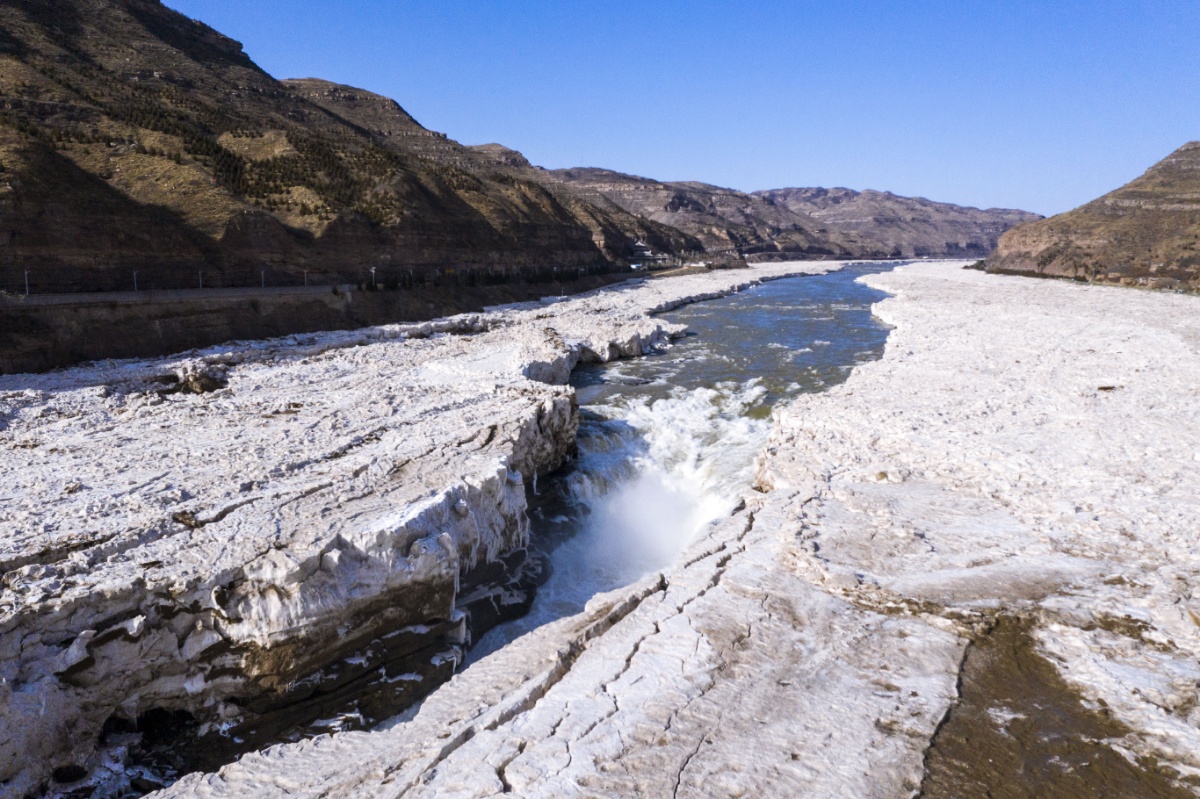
{"x": 809, "y": 644}
{"x": 307, "y": 501}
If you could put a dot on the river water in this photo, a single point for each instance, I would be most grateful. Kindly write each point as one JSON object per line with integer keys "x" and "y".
{"x": 667, "y": 442}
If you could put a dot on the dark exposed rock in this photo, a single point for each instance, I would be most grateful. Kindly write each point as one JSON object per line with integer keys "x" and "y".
{"x": 1018, "y": 731}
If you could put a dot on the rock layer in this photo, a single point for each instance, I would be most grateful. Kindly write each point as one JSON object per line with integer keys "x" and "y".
{"x": 1019, "y": 460}
{"x": 47, "y": 332}
{"x": 810, "y": 223}
{"x": 259, "y": 534}
{"x": 902, "y": 227}
{"x": 1146, "y": 233}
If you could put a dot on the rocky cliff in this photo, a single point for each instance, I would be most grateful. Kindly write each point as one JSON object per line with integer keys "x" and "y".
{"x": 1146, "y": 233}
{"x": 724, "y": 220}
{"x": 135, "y": 139}
{"x": 902, "y": 227}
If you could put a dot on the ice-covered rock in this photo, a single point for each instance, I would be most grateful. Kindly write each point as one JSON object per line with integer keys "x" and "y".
{"x": 255, "y": 532}
{"x": 1024, "y": 448}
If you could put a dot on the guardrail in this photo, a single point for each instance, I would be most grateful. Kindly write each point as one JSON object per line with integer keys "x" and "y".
{"x": 167, "y": 295}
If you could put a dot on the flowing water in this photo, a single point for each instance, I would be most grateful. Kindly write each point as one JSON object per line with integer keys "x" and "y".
{"x": 667, "y": 442}
{"x": 666, "y": 446}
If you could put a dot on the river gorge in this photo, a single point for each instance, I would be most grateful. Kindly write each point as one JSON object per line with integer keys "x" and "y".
{"x": 667, "y": 442}
{"x": 283, "y": 562}
{"x": 819, "y": 541}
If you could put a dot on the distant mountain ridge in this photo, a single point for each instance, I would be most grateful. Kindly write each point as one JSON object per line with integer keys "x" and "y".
{"x": 724, "y": 220}
{"x": 1146, "y": 233}
{"x": 903, "y": 227}
{"x": 803, "y": 222}
{"x": 138, "y": 146}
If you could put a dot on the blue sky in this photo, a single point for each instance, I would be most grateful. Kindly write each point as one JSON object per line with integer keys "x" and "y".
{"x": 1035, "y": 105}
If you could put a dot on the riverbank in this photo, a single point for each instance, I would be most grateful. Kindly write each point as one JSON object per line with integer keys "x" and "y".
{"x": 54, "y": 331}
{"x": 991, "y": 524}
{"x": 240, "y": 541}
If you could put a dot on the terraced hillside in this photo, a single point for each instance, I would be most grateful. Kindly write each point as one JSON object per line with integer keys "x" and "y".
{"x": 903, "y": 227}
{"x": 1146, "y": 233}
{"x": 801, "y": 223}
{"x": 725, "y": 220}
{"x": 135, "y": 139}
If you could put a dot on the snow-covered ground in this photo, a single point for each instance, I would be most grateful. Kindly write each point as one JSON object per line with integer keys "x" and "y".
{"x": 1024, "y": 447}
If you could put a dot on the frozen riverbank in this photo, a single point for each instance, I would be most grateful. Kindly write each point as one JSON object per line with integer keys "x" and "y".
{"x": 1025, "y": 450}
{"x": 667, "y": 443}
{"x": 248, "y": 537}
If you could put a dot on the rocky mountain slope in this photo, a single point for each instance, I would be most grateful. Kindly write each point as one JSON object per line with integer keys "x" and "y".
{"x": 807, "y": 223}
{"x": 724, "y": 220}
{"x": 1145, "y": 233}
{"x": 133, "y": 138}
{"x": 903, "y": 227}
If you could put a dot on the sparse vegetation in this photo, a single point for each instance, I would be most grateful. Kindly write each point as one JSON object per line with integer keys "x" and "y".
{"x": 150, "y": 116}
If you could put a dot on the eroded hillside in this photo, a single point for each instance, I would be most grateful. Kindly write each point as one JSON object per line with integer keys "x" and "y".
{"x": 903, "y": 227}
{"x": 133, "y": 138}
{"x": 1145, "y": 233}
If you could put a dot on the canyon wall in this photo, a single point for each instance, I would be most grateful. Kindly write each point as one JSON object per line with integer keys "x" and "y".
{"x": 1146, "y": 233}
{"x": 135, "y": 139}
{"x": 53, "y": 331}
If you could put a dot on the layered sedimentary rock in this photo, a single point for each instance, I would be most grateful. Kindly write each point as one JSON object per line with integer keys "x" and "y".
{"x": 810, "y": 223}
{"x": 967, "y": 572}
{"x": 267, "y": 538}
{"x": 723, "y": 220}
{"x": 903, "y": 227}
{"x": 135, "y": 139}
{"x": 55, "y": 331}
{"x": 1146, "y": 233}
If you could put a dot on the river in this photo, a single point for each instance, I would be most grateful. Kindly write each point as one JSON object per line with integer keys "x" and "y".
{"x": 667, "y": 442}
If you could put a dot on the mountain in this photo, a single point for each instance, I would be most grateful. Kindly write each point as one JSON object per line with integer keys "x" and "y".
{"x": 802, "y": 223}
{"x": 139, "y": 145}
{"x": 1145, "y": 233}
{"x": 906, "y": 227}
{"x": 724, "y": 220}
{"x": 133, "y": 138}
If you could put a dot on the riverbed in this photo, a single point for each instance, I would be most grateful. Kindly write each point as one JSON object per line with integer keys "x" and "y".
{"x": 256, "y": 537}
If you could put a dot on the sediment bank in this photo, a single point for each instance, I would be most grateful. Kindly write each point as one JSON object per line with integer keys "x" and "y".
{"x": 56, "y": 331}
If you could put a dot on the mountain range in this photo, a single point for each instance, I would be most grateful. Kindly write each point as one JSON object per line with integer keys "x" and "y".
{"x": 134, "y": 139}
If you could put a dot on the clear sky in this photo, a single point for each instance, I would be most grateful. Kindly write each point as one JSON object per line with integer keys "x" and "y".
{"x": 1012, "y": 103}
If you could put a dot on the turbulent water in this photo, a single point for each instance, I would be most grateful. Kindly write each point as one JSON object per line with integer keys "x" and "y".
{"x": 667, "y": 442}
